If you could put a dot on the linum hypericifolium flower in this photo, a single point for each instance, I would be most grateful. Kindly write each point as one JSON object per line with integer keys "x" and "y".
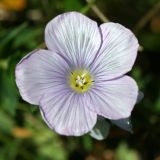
{"x": 81, "y": 75}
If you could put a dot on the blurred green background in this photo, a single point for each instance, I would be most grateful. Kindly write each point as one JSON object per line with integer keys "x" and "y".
{"x": 24, "y": 135}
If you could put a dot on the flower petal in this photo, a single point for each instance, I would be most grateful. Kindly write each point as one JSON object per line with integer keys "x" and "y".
{"x": 65, "y": 112}
{"x": 39, "y": 72}
{"x": 118, "y": 51}
{"x": 75, "y": 37}
{"x": 113, "y": 99}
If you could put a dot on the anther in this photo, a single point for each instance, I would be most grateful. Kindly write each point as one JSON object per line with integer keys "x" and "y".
{"x": 80, "y": 80}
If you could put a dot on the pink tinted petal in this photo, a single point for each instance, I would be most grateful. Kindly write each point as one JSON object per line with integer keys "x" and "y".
{"x": 66, "y": 113}
{"x": 38, "y": 73}
{"x": 118, "y": 52}
{"x": 75, "y": 37}
{"x": 113, "y": 99}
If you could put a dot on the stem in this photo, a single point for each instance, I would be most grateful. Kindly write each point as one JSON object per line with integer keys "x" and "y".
{"x": 146, "y": 18}
{"x": 97, "y": 11}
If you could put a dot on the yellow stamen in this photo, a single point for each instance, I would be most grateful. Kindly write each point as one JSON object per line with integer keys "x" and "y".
{"x": 80, "y": 80}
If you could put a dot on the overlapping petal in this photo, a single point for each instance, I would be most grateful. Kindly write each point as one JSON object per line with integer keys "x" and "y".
{"x": 75, "y": 37}
{"x": 65, "y": 112}
{"x": 113, "y": 99}
{"x": 38, "y": 73}
{"x": 118, "y": 52}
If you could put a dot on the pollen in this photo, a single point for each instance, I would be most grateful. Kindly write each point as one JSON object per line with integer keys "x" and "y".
{"x": 80, "y": 81}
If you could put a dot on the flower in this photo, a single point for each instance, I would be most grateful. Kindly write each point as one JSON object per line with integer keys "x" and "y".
{"x": 16, "y": 5}
{"x": 81, "y": 75}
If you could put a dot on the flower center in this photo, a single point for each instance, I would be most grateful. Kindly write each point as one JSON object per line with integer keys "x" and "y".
{"x": 80, "y": 81}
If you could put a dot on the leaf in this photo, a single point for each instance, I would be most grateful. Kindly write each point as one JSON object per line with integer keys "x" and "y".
{"x": 101, "y": 129}
{"x": 124, "y": 123}
{"x": 75, "y": 5}
{"x": 157, "y": 104}
{"x": 29, "y": 38}
{"x": 150, "y": 41}
{"x": 87, "y": 143}
{"x": 123, "y": 152}
{"x": 8, "y": 94}
{"x": 7, "y": 123}
{"x": 12, "y": 34}
{"x": 140, "y": 96}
